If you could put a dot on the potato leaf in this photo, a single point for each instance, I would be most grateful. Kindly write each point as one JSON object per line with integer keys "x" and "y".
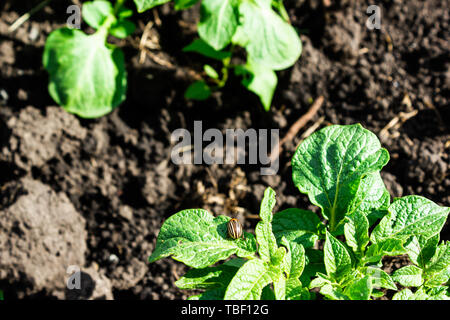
{"x": 144, "y": 5}
{"x": 87, "y": 77}
{"x": 201, "y": 47}
{"x": 95, "y": 13}
{"x": 198, "y": 90}
{"x": 372, "y": 198}
{"x": 259, "y": 79}
{"x": 329, "y": 165}
{"x": 295, "y": 290}
{"x": 440, "y": 262}
{"x": 250, "y": 280}
{"x": 297, "y": 225}
{"x": 408, "y": 276}
{"x": 184, "y": 4}
{"x": 264, "y": 235}
{"x": 380, "y": 279}
{"x": 122, "y": 29}
{"x": 388, "y": 247}
{"x": 411, "y": 216}
{"x": 359, "y": 289}
{"x": 197, "y": 239}
{"x": 420, "y": 250}
{"x": 218, "y": 22}
{"x": 268, "y": 39}
{"x": 357, "y": 231}
{"x": 297, "y": 258}
{"x": 209, "y": 277}
{"x": 337, "y": 259}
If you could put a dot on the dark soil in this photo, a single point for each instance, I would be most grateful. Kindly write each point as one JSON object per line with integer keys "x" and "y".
{"x": 117, "y": 173}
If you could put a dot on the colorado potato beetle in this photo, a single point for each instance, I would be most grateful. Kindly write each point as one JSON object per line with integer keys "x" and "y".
{"x": 234, "y": 228}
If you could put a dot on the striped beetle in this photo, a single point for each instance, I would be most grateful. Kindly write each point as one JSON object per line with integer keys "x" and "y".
{"x": 234, "y": 228}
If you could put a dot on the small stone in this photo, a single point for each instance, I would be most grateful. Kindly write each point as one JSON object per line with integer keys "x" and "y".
{"x": 3, "y": 96}
{"x": 113, "y": 258}
{"x": 34, "y": 34}
{"x": 126, "y": 212}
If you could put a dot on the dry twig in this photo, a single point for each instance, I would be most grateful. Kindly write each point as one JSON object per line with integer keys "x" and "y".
{"x": 396, "y": 123}
{"x": 27, "y": 16}
{"x": 295, "y": 128}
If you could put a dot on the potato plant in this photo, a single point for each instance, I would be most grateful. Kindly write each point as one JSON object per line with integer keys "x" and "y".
{"x": 87, "y": 74}
{"x": 338, "y": 168}
{"x": 260, "y": 26}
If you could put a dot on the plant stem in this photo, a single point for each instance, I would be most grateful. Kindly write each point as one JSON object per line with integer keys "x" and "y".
{"x": 225, "y": 70}
{"x": 332, "y": 220}
{"x": 119, "y": 4}
{"x": 104, "y": 28}
{"x": 281, "y": 9}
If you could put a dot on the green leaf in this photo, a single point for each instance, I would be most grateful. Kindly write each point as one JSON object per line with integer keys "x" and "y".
{"x": 377, "y": 293}
{"x": 264, "y": 235}
{"x": 408, "y": 276}
{"x": 267, "y": 205}
{"x": 279, "y": 287}
{"x": 184, "y": 4}
{"x": 314, "y": 265}
{"x": 124, "y": 13}
{"x": 329, "y": 165}
{"x": 337, "y": 259}
{"x": 218, "y": 22}
{"x": 266, "y": 241}
{"x": 380, "y": 279}
{"x": 249, "y": 281}
{"x": 267, "y": 293}
{"x": 405, "y": 294}
{"x": 278, "y": 259}
{"x": 87, "y": 77}
{"x": 421, "y": 250}
{"x": 260, "y": 80}
{"x": 295, "y": 291}
{"x": 122, "y": 29}
{"x": 437, "y": 279}
{"x": 286, "y": 264}
{"x": 214, "y": 294}
{"x": 411, "y": 216}
{"x": 357, "y": 231}
{"x": 440, "y": 262}
{"x": 332, "y": 292}
{"x": 96, "y": 12}
{"x": 320, "y": 281}
{"x": 268, "y": 39}
{"x": 197, "y": 239}
{"x": 297, "y": 257}
{"x": 200, "y": 46}
{"x": 208, "y": 278}
{"x": 296, "y": 225}
{"x": 388, "y": 247}
{"x": 360, "y": 289}
{"x": 199, "y": 90}
{"x": 438, "y": 293}
{"x": 144, "y": 5}
{"x": 210, "y": 71}
{"x": 372, "y": 198}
